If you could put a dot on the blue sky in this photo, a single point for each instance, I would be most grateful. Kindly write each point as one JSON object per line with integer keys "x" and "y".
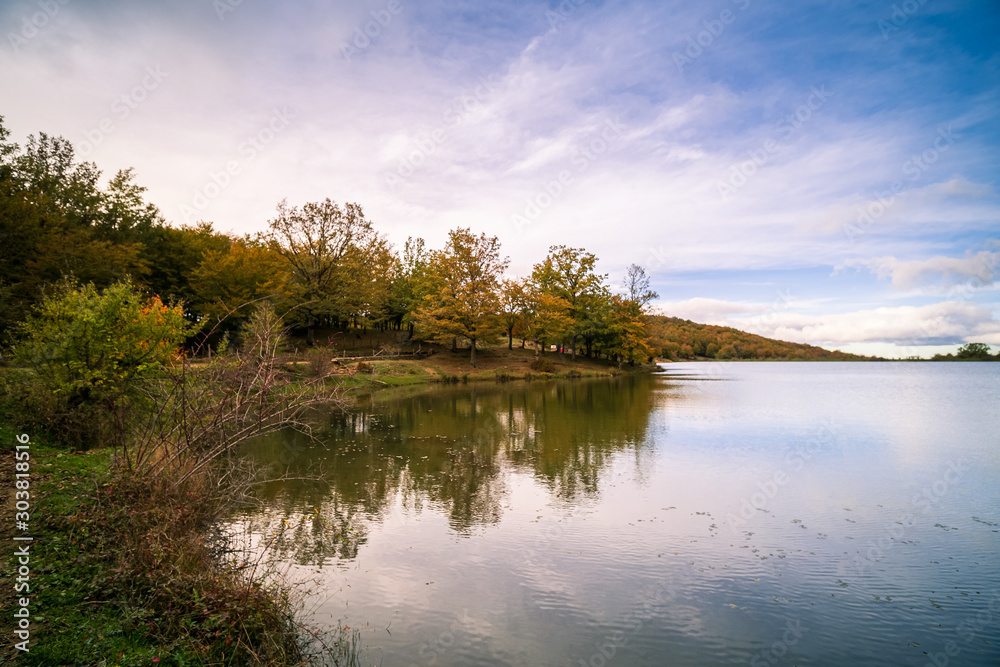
{"x": 817, "y": 172}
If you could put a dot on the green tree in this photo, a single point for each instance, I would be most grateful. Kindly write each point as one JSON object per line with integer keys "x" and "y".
{"x": 974, "y": 351}
{"x": 125, "y": 217}
{"x": 568, "y": 273}
{"x": 464, "y": 297}
{"x": 174, "y": 255}
{"x": 47, "y": 169}
{"x": 409, "y": 285}
{"x": 363, "y": 280}
{"x": 58, "y": 222}
{"x": 601, "y": 322}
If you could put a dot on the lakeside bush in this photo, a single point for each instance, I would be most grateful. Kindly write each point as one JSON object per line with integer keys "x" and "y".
{"x": 86, "y": 352}
{"x": 104, "y": 368}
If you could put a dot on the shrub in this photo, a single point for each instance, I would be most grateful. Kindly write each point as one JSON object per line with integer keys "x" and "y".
{"x": 542, "y": 366}
{"x": 88, "y": 351}
{"x": 204, "y": 414}
{"x": 320, "y": 361}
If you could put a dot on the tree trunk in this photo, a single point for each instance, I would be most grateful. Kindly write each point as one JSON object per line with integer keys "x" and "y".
{"x": 472, "y": 362}
{"x": 454, "y": 344}
{"x": 510, "y": 338}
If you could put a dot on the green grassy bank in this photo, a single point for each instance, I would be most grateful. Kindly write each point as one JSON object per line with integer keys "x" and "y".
{"x": 122, "y": 575}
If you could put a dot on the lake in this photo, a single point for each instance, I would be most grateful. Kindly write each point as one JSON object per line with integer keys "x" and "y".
{"x": 711, "y": 514}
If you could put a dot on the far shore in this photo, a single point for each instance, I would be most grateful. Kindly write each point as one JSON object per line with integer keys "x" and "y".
{"x": 441, "y": 365}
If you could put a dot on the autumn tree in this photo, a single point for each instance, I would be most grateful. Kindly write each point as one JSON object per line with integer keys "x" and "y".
{"x": 229, "y": 284}
{"x": 314, "y": 240}
{"x": 546, "y": 317}
{"x": 364, "y": 281}
{"x": 463, "y": 299}
{"x": 631, "y": 337}
{"x": 513, "y": 306}
{"x": 674, "y": 338}
{"x": 631, "y": 309}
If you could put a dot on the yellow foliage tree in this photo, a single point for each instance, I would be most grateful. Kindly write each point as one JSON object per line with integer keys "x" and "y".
{"x": 462, "y": 283}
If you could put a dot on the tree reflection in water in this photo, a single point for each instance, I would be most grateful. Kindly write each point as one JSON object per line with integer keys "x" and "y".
{"x": 450, "y": 449}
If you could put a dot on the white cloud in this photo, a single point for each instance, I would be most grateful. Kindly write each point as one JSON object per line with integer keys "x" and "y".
{"x": 980, "y": 269}
{"x": 933, "y": 324}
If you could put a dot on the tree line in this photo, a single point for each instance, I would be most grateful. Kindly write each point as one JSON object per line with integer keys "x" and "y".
{"x": 323, "y": 265}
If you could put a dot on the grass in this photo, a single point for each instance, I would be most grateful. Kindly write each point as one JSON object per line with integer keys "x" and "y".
{"x": 494, "y": 364}
{"x": 122, "y": 574}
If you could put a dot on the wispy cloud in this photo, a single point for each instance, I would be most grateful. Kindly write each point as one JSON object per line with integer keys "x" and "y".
{"x": 981, "y": 267}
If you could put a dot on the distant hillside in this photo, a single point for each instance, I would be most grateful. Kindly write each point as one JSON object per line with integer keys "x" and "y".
{"x": 674, "y": 338}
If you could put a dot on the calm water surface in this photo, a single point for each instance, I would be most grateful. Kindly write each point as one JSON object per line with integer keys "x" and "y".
{"x": 712, "y": 514}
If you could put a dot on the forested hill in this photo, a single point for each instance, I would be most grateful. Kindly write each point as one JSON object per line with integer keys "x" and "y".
{"x": 674, "y": 338}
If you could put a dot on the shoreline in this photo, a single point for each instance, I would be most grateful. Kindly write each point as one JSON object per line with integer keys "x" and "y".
{"x": 446, "y": 367}
{"x": 78, "y": 503}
